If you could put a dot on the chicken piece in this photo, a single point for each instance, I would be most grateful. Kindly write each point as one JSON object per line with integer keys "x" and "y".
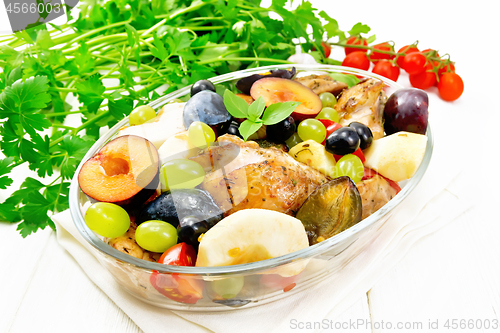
{"x": 322, "y": 83}
{"x": 363, "y": 103}
{"x": 241, "y": 175}
{"x": 375, "y": 192}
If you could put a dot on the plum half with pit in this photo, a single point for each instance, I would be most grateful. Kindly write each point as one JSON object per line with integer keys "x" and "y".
{"x": 406, "y": 110}
{"x": 124, "y": 172}
{"x": 208, "y": 107}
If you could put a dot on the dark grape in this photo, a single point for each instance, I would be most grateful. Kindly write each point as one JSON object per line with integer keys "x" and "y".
{"x": 234, "y": 129}
{"x": 343, "y": 141}
{"x": 200, "y": 86}
{"x": 406, "y": 110}
{"x": 365, "y": 134}
{"x": 189, "y": 230}
{"x": 282, "y": 130}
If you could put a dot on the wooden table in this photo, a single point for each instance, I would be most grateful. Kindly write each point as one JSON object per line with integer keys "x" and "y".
{"x": 451, "y": 276}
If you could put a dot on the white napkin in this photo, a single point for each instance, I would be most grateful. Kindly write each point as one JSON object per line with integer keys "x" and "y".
{"x": 432, "y": 204}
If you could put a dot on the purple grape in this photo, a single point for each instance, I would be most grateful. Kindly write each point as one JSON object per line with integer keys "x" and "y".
{"x": 406, "y": 110}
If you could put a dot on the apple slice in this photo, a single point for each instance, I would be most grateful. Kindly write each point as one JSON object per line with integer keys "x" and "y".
{"x": 167, "y": 123}
{"x": 396, "y": 156}
{"x": 125, "y": 172}
{"x": 276, "y": 90}
{"x": 251, "y": 235}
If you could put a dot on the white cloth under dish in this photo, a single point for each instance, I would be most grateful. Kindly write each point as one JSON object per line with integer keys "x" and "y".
{"x": 432, "y": 204}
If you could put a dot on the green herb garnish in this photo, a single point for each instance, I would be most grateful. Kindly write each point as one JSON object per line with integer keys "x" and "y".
{"x": 256, "y": 114}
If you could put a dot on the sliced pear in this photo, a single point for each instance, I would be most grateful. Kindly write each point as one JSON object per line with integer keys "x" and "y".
{"x": 315, "y": 155}
{"x": 251, "y": 235}
{"x": 175, "y": 147}
{"x": 396, "y": 156}
{"x": 168, "y": 123}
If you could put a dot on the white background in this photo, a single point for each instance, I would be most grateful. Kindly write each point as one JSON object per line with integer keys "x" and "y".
{"x": 452, "y": 274}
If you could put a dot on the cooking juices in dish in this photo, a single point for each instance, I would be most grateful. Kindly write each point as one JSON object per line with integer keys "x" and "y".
{"x": 256, "y": 169}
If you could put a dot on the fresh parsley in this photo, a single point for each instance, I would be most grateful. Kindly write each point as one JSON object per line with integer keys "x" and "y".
{"x": 117, "y": 55}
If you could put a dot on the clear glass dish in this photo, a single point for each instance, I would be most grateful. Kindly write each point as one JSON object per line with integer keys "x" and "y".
{"x": 261, "y": 280}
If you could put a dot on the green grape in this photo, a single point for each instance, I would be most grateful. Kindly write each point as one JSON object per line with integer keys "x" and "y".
{"x": 350, "y": 165}
{"x": 156, "y": 236}
{"x": 328, "y": 113}
{"x": 312, "y": 129}
{"x": 293, "y": 140}
{"x": 175, "y": 100}
{"x": 328, "y": 99}
{"x": 141, "y": 114}
{"x": 200, "y": 134}
{"x": 228, "y": 288}
{"x": 181, "y": 173}
{"x": 107, "y": 219}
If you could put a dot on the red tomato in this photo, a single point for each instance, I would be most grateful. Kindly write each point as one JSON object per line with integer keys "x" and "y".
{"x": 355, "y": 40}
{"x": 369, "y": 173}
{"x": 450, "y": 86}
{"x": 276, "y": 281}
{"x": 327, "y": 49}
{"x": 424, "y": 80}
{"x": 386, "y": 69}
{"x": 330, "y": 126}
{"x": 405, "y": 49}
{"x": 377, "y": 56}
{"x": 358, "y": 153}
{"x": 357, "y": 59}
{"x": 414, "y": 62}
{"x": 446, "y": 67}
{"x": 431, "y": 53}
{"x": 178, "y": 287}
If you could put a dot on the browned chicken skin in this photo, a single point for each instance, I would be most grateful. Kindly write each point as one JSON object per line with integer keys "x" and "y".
{"x": 375, "y": 192}
{"x": 242, "y": 175}
{"x": 322, "y": 83}
{"x": 363, "y": 103}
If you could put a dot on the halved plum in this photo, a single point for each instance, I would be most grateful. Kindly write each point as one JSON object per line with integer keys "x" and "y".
{"x": 245, "y": 84}
{"x": 276, "y": 90}
{"x": 125, "y": 172}
{"x": 332, "y": 208}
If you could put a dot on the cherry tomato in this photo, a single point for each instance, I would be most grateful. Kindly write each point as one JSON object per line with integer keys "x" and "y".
{"x": 431, "y": 53}
{"x": 446, "y": 67}
{"x": 369, "y": 173}
{"x": 327, "y": 49}
{"x": 405, "y": 50}
{"x": 355, "y": 40}
{"x": 330, "y": 126}
{"x": 424, "y": 80}
{"x": 276, "y": 281}
{"x": 386, "y": 69}
{"x": 450, "y": 86}
{"x": 377, "y": 56}
{"x": 414, "y": 63}
{"x": 358, "y": 153}
{"x": 357, "y": 59}
{"x": 178, "y": 287}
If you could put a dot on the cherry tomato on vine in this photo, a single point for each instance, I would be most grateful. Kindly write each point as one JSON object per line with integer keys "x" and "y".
{"x": 377, "y": 56}
{"x": 450, "y": 86}
{"x": 414, "y": 62}
{"x": 446, "y": 67}
{"x": 424, "y": 80}
{"x": 327, "y": 49}
{"x": 355, "y": 40}
{"x": 386, "y": 69}
{"x": 357, "y": 59}
{"x": 405, "y": 49}
{"x": 431, "y": 52}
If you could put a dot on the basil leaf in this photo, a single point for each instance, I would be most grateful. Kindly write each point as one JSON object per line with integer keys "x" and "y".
{"x": 256, "y": 108}
{"x": 348, "y": 79}
{"x": 277, "y": 112}
{"x": 248, "y": 128}
{"x": 235, "y": 105}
